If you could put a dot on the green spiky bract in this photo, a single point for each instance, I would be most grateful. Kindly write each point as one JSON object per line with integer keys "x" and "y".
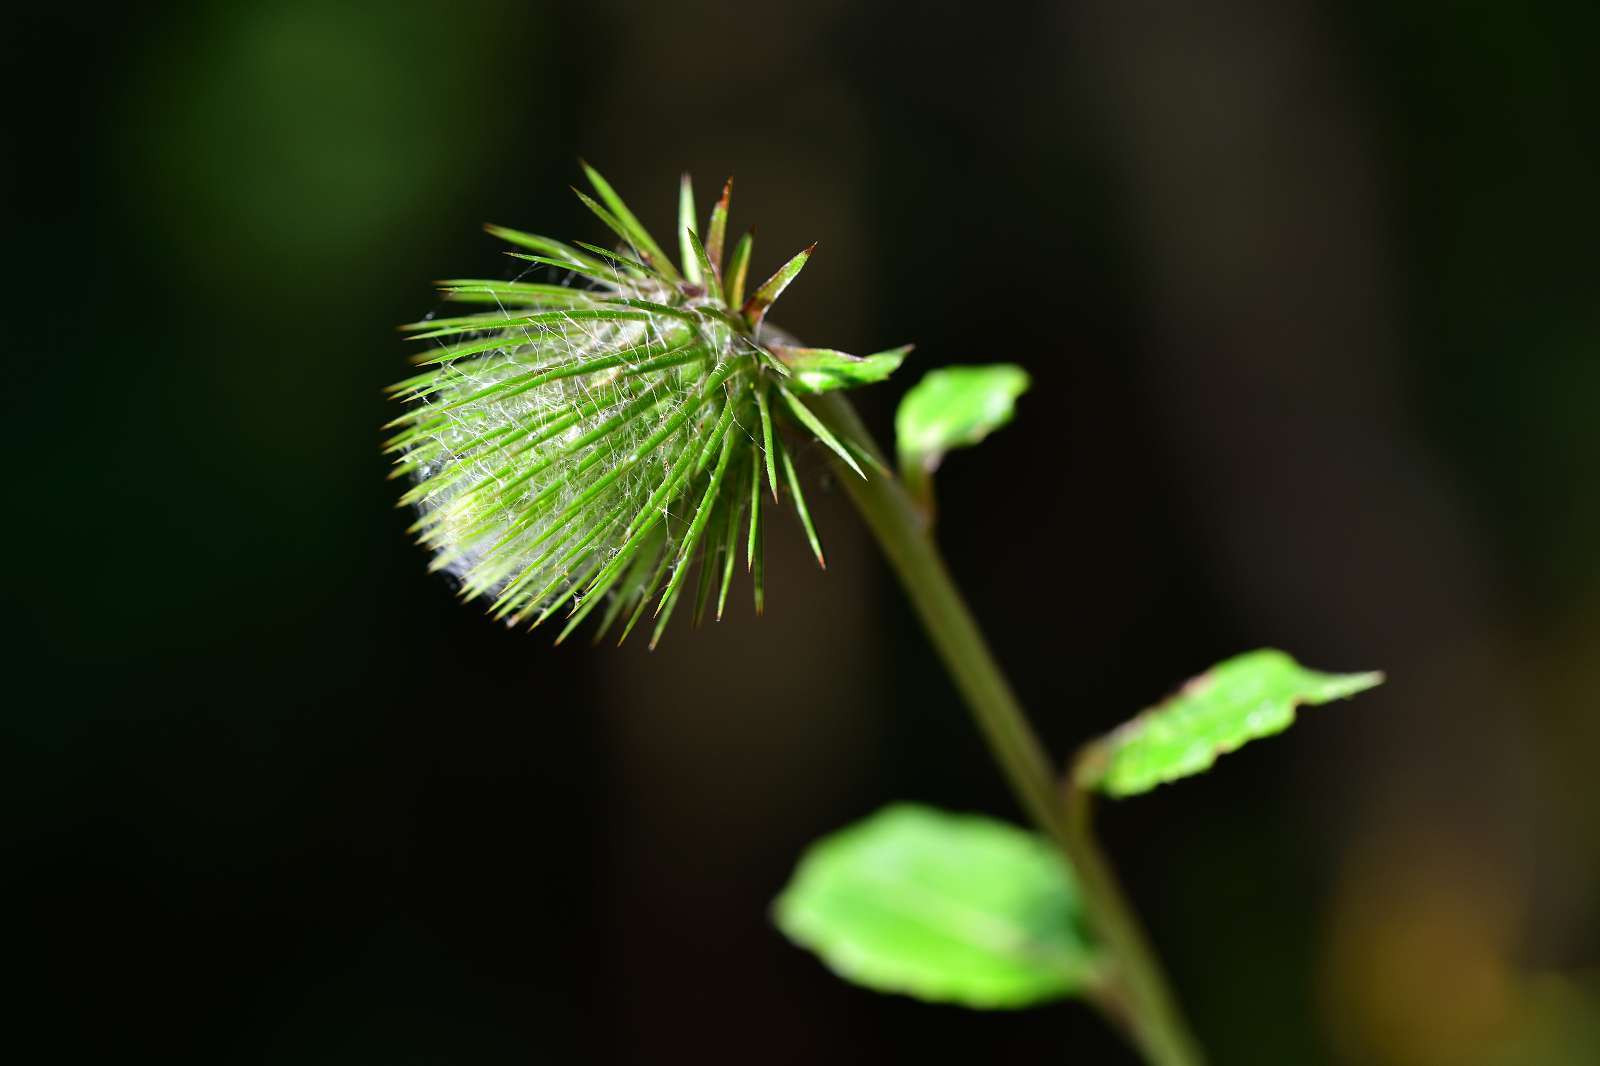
{"x": 604, "y": 422}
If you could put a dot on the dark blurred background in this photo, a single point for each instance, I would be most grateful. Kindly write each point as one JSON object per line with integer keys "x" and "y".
{"x": 1309, "y": 296}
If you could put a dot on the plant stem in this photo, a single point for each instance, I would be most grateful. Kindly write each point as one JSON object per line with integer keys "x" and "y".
{"x": 1136, "y": 995}
{"x": 1153, "y": 1018}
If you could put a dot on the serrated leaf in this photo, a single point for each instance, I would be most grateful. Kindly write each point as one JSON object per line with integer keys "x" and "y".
{"x": 955, "y": 407}
{"x": 1242, "y": 699}
{"x": 947, "y": 908}
{"x": 814, "y": 370}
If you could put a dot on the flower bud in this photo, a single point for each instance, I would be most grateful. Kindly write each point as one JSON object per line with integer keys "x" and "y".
{"x": 584, "y": 438}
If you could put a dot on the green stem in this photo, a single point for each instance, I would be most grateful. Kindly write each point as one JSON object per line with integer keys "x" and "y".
{"x": 1136, "y": 994}
{"x": 1152, "y": 1017}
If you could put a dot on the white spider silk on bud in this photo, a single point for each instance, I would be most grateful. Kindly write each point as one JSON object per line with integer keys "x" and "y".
{"x": 527, "y": 487}
{"x": 597, "y": 430}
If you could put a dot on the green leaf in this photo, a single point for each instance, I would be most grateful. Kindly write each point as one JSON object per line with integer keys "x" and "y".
{"x": 610, "y": 276}
{"x": 1242, "y": 699}
{"x": 947, "y": 908}
{"x": 715, "y": 537}
{"x": 755, "y": 308}
{"x": 534, "y": 242}
{"x": 686, "y": 225}
{"x": 535, "y": 318}
{"x": 806, "y": 418}
{"x": 626, "y": 236}
{"x": 793, "y": 478}
{"x": 634, "y": 590}
{"x": 627, "y": 225}
{"x": 663, "y": 561}
{"x": 766, "y": 439}
{"x": 717, "y": 231}
{"x": 472, "y": 290}
{"x": 729, "y": 552}
{"x": 703, "y": 265}
{"x": 816, "y": 370}
{"x": 755, "y": 556}
{"x": 708, "y": 502}
{"x": 627, "y": 264}
{"x": 955, "y": 407}
{"x": 738, "y": 268}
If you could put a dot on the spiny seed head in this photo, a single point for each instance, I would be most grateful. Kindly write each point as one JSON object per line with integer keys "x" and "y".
{"x": 608, "y": 419}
